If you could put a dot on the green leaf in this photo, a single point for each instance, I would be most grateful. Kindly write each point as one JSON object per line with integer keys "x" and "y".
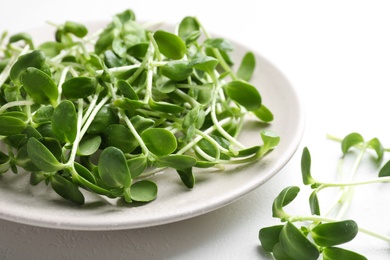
{"x": 138, "y": 50}
{"x": 127, "y": 90}
{"x": 84, "y": 172}
{"x": 306, "y": 167}
{"x": 264, "y": 114}
{"x": 270, "y": 139}
{"x": 244, "y": 94}
{"x": 42, "y": 157}
{"x": 165, "y": 107}
{"x": 23, "y": 160}
{"x": 248, "y": 151}
{"x": 125, "y": 16}
{"x": 284, "y": 198}
{"x": 36, "y": 178}
{"x": 296, "y": 245}
{"x": 76, "y": 29}
{"x": 314, "y": 204}
{"x": 79, "y": 87}
{"x": 247, "y": 67}
{"x": 4, "y": 162}
{"x": 22, "y": 37}
{"x": 176, "y": 161}
{"x": 170, "y": 45}
{"x": 280, "y": 253}
{"x": 144, "y": 191}
{"x": 43, "y": 114}
{"x": 177, "y": 70}
{"x": 113, "y": 169}
{"x": 64, "y": 122}
{"x": 105, "y": 39}
{"x": 11, "y": 125}
{"x": 385, "y": 170}
{"x": 189, "y": 30}
{"x": 187, "y": 177}
{"x": 141, "y": 123}
{"x": 336, "y": 253}
{"x": 137, "y": 166}
{"x": 34, "y": 59}
{"x": 128, "y": 104}
{"x": 51, "y": 49}
{"x": 378, "y": 148}
{"x": 219, "y": 43}
{"x": 159, "y": 141}
{"x": 120, "y": 137}
{"x": 351, "y": 140}
{"x": 89, "y": 145}
{"x": 194, "y": 116}
{"x": 269, "y": 237}
{"x": 334, "y": 233}
{"x": 41, "y": 88}
{"x": 66, "y": 189}
{"x": 187, "y": 27}
{"x": 206, "y": 64}
{"x": 104, "y": 118}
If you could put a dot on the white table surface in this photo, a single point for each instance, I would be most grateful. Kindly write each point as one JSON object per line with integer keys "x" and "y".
{"x": 337, "y": 56}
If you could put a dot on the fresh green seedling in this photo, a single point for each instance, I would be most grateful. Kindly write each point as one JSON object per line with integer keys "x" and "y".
{"x": 104, "y": 112}
{"x": 322, "y": 233}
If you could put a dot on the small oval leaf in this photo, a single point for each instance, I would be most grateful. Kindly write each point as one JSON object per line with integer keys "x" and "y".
{"x": 385, "y": 170}
{"x": 176, "y": 161}
{"x": 296, "y": 245}
{"x": 284, "y": 198}
{"x": 334, "y": 233}
{"x": 67, "y": 189}
{"x": 170, "y": 45}
{"x": 42, "y": 157}
{"x": 306, "y": 167}
{"x": 244, "y": 94}
{"x": 351, "y": 140}
{"x": 79, "y": 87}
{"x": 144, "y": 191}
{"x": 269, "y": 237}
{"x": 76, "y": 29}
{"x": 177, "y": 70}
{"x": 34, "y": 59}
{"x": 334, "y": 253}
{"x": 187, "y": 177}
{"x": 11, "y": 125}
{"x": 159, "y": 141}
{"x": 264, "y": 114}
{"x": 247, "y": 66}
{"x": 40, "y": 87}
{"x": 314, "y": 203}
{"x": 64, "y": 122}
{"x": 113, "y": 168}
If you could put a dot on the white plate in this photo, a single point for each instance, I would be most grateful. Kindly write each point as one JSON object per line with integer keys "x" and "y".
{"x": 40, "y": 206}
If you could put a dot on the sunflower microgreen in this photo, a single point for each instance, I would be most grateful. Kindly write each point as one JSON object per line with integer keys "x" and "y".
{"x": 102, "y": 112}
{"x": 322, "y": 233}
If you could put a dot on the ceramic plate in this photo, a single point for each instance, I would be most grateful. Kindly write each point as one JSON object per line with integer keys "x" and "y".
{"x": 40, "y": 206}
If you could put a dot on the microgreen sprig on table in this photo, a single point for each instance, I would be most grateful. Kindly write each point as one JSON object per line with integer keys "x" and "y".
{"x": 322, "y": 233}
{"x": 103, "y": 112}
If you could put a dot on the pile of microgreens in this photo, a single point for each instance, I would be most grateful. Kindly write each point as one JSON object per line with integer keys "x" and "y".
{"x": 104, "y": 112}
{"x": 322, "y": 233}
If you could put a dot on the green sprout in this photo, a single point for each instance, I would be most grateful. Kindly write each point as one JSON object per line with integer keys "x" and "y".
{"x": 323, "y": 233}
{"x": 103, "y": 112}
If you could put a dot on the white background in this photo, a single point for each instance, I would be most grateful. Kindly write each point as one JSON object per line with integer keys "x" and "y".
{"x": 337, "y": 56}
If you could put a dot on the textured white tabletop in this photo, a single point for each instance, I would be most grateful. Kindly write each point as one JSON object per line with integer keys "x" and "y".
{"x": 337, "y": 56}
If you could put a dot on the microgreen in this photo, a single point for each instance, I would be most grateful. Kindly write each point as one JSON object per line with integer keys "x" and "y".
{"x": 102, "y": 112}
{"x": 322, "y": 232}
